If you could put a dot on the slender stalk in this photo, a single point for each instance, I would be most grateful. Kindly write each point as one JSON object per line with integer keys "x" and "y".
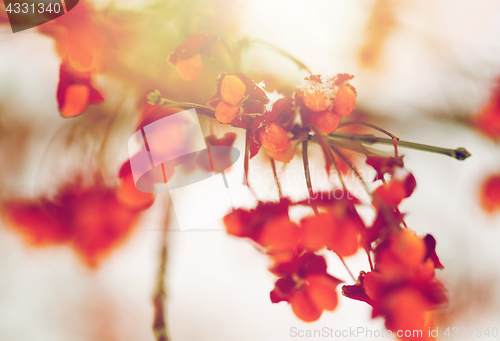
{"x": 276, "y": 178}
{"x": 395, "y": 142}
{"x": 318, "y": 138}
{"x": 234, "y": 57}
{"x": 365, "y": 185}
{"x": 160, "y": 328}
{"x": 352, "y": 167}
{"x": 341, "y": 178}
{"x": 305, "y": 159}
{"x": 375, "y": 198}
{"x": 282, "y": 52}
{"x": 393, "y": 137}
{"x": 322, "y": 142}
{"x": 248, "y": 136}
{"x": 187, "y": 105}
{"x": 369, "y": 259}
{"x": 363, "y": 149}
{"x": 347, "y": 268}
{"x": 459, "y": 153}
{"x": 369, "y": 125}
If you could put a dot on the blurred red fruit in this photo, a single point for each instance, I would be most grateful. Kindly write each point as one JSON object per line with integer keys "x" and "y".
{"x": 91, "y": 220}
{"x": 128, "y": 194}
{"x": 490, "y": 194}
{"x": 187, "y": 56}
{"x": 75, "y": 92}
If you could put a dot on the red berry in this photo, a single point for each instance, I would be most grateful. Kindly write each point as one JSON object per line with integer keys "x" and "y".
{"x": 226, "y": 113}
{"x": 315, "y": 100}
{"x": 344, "y": 101}
{"x": 190, "y": 69}
{"x": 232, "y": 89}
{"x": 273, "y": 137}
{"x": 326, "y": 121}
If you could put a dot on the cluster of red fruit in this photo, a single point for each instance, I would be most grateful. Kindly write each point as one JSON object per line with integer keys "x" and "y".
{"x": 304, "y": 281}
{"x": 84, "y": 51}
{"x": 187, "y": 56}
{"x": 401, "y": 285}
{"x": 487, "y": 121}
{"x": 322, "y": 101}
{"x": 490, "y": 194}
{"x": 92, "y": 220}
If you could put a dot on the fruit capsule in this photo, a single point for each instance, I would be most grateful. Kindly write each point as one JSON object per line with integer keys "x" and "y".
{"x": 345, "y": 100}
{"x": 326, "y": 121}
{"x": 190, "y": 69}
{"x": 226, "y": 113}
{"x": 232, "y": 89}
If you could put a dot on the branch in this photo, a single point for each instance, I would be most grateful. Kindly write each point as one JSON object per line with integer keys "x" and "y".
{"x": 160, "y": 328}
{"x": 459, "y": 153}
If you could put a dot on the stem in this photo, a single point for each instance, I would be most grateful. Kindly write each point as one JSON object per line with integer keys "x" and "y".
{"x": 187, "y": 105}
{"x": 334, "y": 162}
{"x": 347, "y": 268}
{"x": 159, "y": 324}
{"x": 348, "y": 162}
{"x": 459, "y": 153}
{"x": 369, "y": 259}
{"x": 395, "y": 142}
{"x": 234, "y": 57}
{"x": 369, "y": 125}
{"x": 393, "y": 137}
{"x": 305, "y": 159}
{"x": 352, "y": 167}
{"x": 248, "y": 136}
{"x": 276, "y": 178}
{"x": 283, "y": 53}
{"x": 322, "y": 142}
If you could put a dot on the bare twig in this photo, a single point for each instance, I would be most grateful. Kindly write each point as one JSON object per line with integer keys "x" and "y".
{"x": 459, "y": 153}
{"x": 276, "y": 178}
{"x": 305, "y": 159}
{"x": 160, "y": 328}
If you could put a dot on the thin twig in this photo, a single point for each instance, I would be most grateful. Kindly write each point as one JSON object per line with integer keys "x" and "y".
{"x": 339, "y": 173}
{"x": 369, "y": 125}
{"x": 276, "y": 178}
{"x": 393, "y": 137}
{"x": 459, "y": 153}
{"x": 347, "y": 268}
{"x": 369, "y": 259}
{"x": 248, "y": 136}
{"x": 282, "y": 52}
{"x": 160, "y": 328}
{"x": 352, "y": 167}
{"x": 305, "y": 159}
{"x": 235, "y": 58}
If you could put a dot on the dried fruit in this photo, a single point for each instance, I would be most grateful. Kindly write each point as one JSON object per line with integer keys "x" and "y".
{"x": 226, "y": 113}
{"x": 187, "y": 56}
{"x": 273, "y": 137}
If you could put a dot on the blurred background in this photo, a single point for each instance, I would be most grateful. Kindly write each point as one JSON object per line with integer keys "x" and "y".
{"x": 425, "y": 70}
